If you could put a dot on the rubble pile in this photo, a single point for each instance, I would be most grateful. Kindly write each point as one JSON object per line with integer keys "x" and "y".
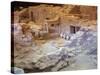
{"x": 53, "y": 57}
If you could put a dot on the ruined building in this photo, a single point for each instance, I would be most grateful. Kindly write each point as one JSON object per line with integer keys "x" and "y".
{"x": 50, "y": 18}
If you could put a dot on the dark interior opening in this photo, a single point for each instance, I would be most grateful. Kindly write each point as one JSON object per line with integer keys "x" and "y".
{"x": 52, "y": 25}
{"x": 47, "y": 18}
{"x": 74, "y": 29}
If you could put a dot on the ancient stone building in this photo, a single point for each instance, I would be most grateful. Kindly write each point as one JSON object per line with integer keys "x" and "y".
{"x": 57, "y": 19}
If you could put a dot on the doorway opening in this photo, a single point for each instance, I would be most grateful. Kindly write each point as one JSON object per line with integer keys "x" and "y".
{"x": 74, "y": 29}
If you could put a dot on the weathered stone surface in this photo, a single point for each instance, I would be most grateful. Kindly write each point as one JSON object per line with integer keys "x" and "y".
{"x": 54, "y": 56}
{"x": 16, "y": 70}
{"x": 47, "y": 39}
{"x": 83, "y": 43}
{"x": 20, "y": 38}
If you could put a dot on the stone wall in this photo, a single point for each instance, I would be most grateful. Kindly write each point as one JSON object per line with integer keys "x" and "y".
{"x": 69, "y": 15}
